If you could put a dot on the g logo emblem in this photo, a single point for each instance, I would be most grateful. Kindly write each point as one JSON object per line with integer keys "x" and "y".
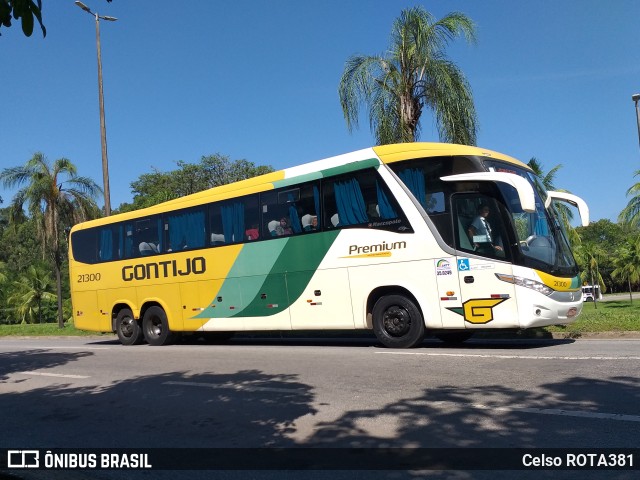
{"x": 480, "y": 310}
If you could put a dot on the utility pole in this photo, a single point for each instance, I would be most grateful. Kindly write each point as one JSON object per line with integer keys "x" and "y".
{"x": 103, "y": 128}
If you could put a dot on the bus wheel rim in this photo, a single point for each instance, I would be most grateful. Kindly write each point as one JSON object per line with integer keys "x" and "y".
{"x": 126, "y": 327}
{"x": 396, "y": 321}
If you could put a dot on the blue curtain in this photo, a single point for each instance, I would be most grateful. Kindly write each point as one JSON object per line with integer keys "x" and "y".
{"x": 128, "y": 241}
{"x": 106, "y": 244}
{"x": 386, "y": 209}
{"x": 120, "y": 242}
{"x": 350, "y": 203}
{"x": 233, "y": 222}
{"x": 186, "y": 230}
{"x": 296, "y": 226}
{"x": 160, "y": 239}
{"x": 413, "y": 178}
{"x": 316, "y": 200}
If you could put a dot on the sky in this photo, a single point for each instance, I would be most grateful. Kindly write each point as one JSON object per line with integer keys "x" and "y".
{"x": 257, "y": 80}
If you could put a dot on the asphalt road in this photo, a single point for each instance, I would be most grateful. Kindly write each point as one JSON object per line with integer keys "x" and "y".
{"x": 336, "y": 393}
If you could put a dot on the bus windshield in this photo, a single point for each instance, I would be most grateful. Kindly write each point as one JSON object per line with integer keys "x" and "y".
{"x": 541, "y": 238}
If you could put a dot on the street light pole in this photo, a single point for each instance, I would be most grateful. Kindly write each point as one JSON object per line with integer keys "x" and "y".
{"x": 103, "y": 128}
{"x": 636, "y": 97}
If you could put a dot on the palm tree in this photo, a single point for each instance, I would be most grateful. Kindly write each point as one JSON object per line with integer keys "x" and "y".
{"x": 3, "y": 288}
{"x": 547, "y": 178}
{"x": 588, "y": 256}
{"x": 54, "y": 195}
{"x": 631, "y": 213}
{"x": 627, "y": 262}
{"x": 31, "y": 290}
{"x": 413, "y": 75}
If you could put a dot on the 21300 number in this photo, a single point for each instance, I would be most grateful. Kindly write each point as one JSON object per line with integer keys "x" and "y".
{"x": 88, "y": 277}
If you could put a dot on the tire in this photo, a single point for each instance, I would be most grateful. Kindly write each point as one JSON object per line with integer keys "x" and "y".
{"x": 155, "y": 327}
{"x": 397, "y": 322}
{"x": 453, "y": 338}
{"x": 127, "y": 328}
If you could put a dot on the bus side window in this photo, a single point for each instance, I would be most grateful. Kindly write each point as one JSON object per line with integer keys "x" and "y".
{"x": 234, "y": 221}
{"x": 185, "y": 229}
{"x": 148, "y": 236}
{"x": 291, "y": 210}
{"x": 108, "y": 244}
{"x": 361, "y": 198}
{"x": 84, "y": 245}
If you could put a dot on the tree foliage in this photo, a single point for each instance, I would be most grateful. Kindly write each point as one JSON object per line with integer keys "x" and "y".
{"x": 627, "y": 262}
{"x": 589, "y": 256}
{"x": 27, "y": 11}
{"x": 55, "y": 197}
{"x": 415, "y": 74}
{"x": 33, "y": 290}
{"x": 19, "y": 247}
{"x": 602, "y": 246}
{"x": 631, "y": 213}
{"x": 212, "y": 171}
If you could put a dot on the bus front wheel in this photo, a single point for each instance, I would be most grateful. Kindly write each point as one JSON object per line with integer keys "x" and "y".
{"x": 155, "y": 327}
{"x": 397, "y": 322}
{"x": 127, "y": 328}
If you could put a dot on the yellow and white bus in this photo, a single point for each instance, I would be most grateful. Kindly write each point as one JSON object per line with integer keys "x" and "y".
{"x": 403, "y": 240}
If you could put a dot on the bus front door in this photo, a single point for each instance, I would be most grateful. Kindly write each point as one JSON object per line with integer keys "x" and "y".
{"x": 486, "y": 301}
{"x": 480, "y": 228}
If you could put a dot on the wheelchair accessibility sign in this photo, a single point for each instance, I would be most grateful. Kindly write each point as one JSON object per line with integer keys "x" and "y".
{"x": 463, "y": 264}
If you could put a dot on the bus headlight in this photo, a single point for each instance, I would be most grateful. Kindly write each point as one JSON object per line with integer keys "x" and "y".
{"x": 526, "y": 282}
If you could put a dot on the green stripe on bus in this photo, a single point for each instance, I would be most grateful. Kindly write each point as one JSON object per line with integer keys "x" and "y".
{"x": 307, "y": 177}
{"x": 350, "y": 167}
{"x": 256, "y": 285}
{"x": 245, "y": 278}
{"x": 277, "y": 294}
{"x": 329, "y": 172}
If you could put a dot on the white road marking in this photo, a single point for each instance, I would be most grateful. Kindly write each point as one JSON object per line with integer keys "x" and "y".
{"x": 56, "y": 375}
{"x": 525, "y": 357}
{"x": 244, "y": 388}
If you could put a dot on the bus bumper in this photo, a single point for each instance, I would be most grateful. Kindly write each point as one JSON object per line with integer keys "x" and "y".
{"x": 538, "y": 310}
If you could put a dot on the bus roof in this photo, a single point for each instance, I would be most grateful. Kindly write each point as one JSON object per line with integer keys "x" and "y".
{"x": 313, "y": 170}
{"x": 405, "y": 151}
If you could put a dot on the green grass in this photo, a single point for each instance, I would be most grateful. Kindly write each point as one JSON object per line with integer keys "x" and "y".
{"x": 41, "y": 330}
{"x": 611, "y": 316}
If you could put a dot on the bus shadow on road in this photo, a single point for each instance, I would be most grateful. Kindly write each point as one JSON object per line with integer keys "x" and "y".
{"x": 358, "y": 341}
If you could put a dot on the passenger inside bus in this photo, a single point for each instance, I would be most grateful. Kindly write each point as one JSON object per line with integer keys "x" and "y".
{"x": 147, "y": 248}
{"x": 484, "y": 239}
{"x": 309, "y": 222}
{"x": 283, "y": 227}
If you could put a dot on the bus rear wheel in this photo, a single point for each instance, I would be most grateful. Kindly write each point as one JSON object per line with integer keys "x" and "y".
{"x": 397, "y": 322}
{"x": 127, "y": 328}
{"x": 155, "y": 327}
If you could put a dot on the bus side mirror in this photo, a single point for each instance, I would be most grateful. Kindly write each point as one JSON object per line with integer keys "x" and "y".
{"x": 571, "y": 199}
{"x": 522, "y": 186}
